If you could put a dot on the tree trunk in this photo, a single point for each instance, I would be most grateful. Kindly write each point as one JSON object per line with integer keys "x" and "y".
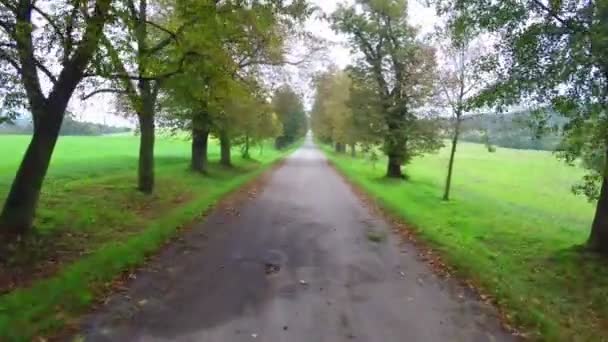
{"x": 448, "y": 181}
{"x": 395, "y": 145}
{"x": 225, "y": 158}
{"x": 145, "y": 181}
{"x": 393, "y": 169}
{"x": 199, "y": 149}
{"x": 353, "y": 150}
{"x": 246, "y": 148}
{"x": 18, "y": 213}
{"x": 598, "y": 239}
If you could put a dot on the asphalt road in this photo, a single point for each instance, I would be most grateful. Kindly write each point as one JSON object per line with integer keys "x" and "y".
{"x": 294, "y": 263}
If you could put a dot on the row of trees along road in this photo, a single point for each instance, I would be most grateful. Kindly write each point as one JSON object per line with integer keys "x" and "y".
{"x": 545, "y": 55}
{"x": 193, "y": 64}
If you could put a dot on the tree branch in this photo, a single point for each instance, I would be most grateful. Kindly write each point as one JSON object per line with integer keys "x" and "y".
{"x": 173, "y": 36}
{"x": 46, "y": 71}
{"x": 9, "y": 28}
{"x": 554, "y": 15}
{"x": 46, "y": 17}
{"x": 4, "y": 56}
{"x": 159, "y": 27}
{"x": 102, "y": 91}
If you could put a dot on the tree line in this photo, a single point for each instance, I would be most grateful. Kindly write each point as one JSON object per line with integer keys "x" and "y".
{"x": 406, "y": 93}
{"x": 195, "y": 65}
{"x": 69, "y": 126}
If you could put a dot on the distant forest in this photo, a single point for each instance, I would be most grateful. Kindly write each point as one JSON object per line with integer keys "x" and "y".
{"x": 519, "y": 130}
{"x": 70, "y": 126}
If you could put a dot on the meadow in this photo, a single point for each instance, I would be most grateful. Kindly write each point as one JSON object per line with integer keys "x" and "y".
{"x": 512, "y": 228}
{"x": 92, "y": 225}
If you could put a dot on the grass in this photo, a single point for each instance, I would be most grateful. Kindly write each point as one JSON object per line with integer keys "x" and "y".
{"x": 92, "y": 224}
{"x": 512, "y": 226}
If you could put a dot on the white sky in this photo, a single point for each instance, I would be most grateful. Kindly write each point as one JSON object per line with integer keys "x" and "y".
{"x": 101, "y": 108}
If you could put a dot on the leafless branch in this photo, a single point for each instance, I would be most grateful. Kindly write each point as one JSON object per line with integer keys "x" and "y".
{"x": 102, "y": 91}
{"x": 46, "y": 71}
{"x": 51, "y": 22}
{"x": 6, "y": 57}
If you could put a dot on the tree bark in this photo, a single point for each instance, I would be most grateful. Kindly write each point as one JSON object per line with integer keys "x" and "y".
{"x": 225, "y": 158}
{"x": 393, "y": 169}
{"x": 598, "y": 239}
{"x": 395, "y": 145}
{"x": 353, "y": 150}
{"x": 200, "y": 138}
{"x": 246, "y": 148}
{"x": 18, "y": 213}
{"x": 145, "y": 180}
{"x": 448, "y": 181}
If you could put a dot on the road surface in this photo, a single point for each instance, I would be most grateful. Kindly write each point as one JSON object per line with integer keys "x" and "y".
{"x": 304, "y": 260}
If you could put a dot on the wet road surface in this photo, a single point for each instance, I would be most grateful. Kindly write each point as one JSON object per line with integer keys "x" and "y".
{"x": 294, "y": 263}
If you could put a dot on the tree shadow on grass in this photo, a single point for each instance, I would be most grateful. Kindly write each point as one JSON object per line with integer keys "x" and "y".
{"x": 582, "y": 277}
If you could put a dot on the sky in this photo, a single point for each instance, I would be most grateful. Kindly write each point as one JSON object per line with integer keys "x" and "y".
{"x": 100, "y": 109}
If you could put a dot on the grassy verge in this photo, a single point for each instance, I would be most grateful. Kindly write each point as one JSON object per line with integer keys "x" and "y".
{"x": 512, "y": 227}
{"x": 92, "y": 224}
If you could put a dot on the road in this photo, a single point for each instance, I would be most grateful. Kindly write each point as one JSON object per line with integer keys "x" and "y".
{"x": 303, "y": 260}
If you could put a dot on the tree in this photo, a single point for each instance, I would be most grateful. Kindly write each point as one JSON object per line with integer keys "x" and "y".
{"x": 289, "y": 108}
{"x": 241, "y": 38}
{"x": 332, "y": 116}
{"x": 29, "y": 32}
{"x": 137, "y": 56}
{"x": 553, "y": 53}
{"x": 403, "y": 69}
{"x": 460, "y": 78}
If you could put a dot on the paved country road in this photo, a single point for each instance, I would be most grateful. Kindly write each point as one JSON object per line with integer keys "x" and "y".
{"x": 294, "y": 263}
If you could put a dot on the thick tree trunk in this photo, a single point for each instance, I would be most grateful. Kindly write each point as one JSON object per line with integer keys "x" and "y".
{"x": 353, "y": 150}
{"x": 18, "y": 213}
{"x": 598, "y": 239}
{"x": 200, "y": 138}
{"x": 393, "y": 169}
{"x": 395, "y": 145}
{"x": 340, "y": 147}
{"x": 145, "y": 180}
{"x": 225, "y": 158}
{"x": 448, "y": 180}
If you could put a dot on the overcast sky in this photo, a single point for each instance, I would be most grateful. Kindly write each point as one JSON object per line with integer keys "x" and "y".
{"x": 100, "y": 109}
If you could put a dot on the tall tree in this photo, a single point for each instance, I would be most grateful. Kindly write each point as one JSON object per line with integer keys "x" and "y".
{"x": 289, "y": 108}
{"x": 402, "y": 67}
{"x": 331, "y": 114}
{"x": 554, "y": 53}
{"x": 133, "y": 63}
{"x": 240, "y": 38}
{"x": 30, "y": 33}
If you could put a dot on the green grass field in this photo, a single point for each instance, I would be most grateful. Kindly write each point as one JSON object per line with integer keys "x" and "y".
{"x": 92, "y": 224}
{"x": 513, "y": 227}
